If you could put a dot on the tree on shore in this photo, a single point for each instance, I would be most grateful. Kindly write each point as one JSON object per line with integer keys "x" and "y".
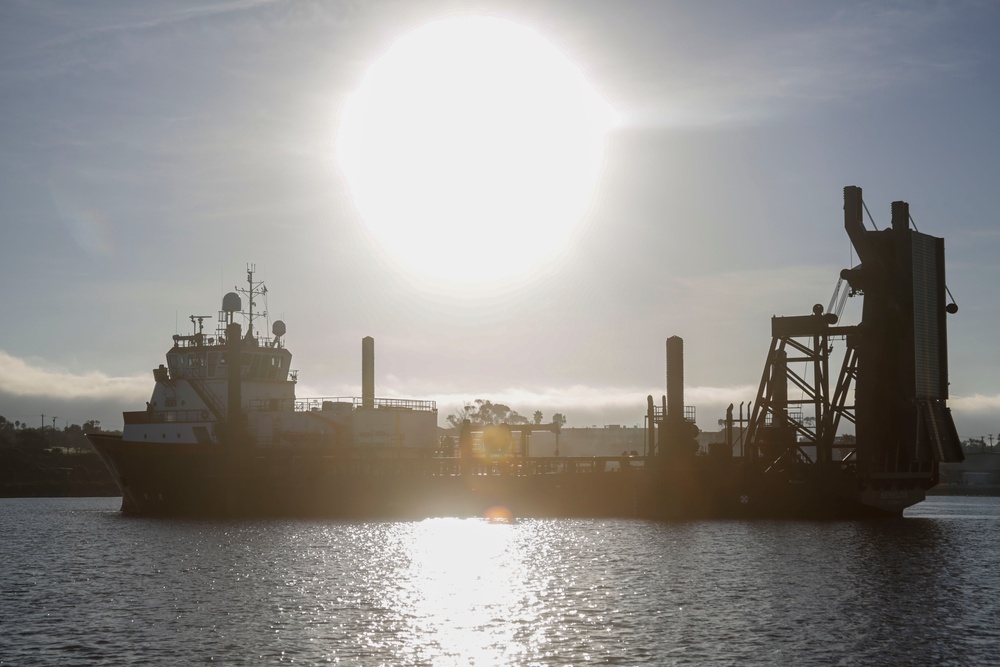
{"x": 70, "y": 438}
{"x": 974, "y": 445}
{"x": 47, "y": 461}
{"x": 487, "y": 413}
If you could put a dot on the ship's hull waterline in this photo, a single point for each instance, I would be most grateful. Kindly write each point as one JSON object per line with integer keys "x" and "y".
{"x": 179, "y": 480}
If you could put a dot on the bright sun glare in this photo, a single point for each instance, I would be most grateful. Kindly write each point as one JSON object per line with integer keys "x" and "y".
{"x": 472, "y": 148}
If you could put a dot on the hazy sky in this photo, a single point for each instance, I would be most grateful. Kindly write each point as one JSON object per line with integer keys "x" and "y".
{"x": 149, "y": 151}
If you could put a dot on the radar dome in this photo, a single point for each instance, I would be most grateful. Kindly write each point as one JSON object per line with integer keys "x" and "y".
{"x": 278, "y": 328}
{"x": 231, "y": 303}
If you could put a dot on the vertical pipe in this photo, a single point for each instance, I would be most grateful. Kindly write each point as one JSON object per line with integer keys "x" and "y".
{"x": 900, "y": 216}
{"x": 675, "y": 379}
{"x": 854, "y": 218}
{"x": 234, "y": 387}
{"x": 779, "y": 388}
{"x": 651, "y": 425}
{"x": 368, "y": 372}
{"x": 729, "y": 428}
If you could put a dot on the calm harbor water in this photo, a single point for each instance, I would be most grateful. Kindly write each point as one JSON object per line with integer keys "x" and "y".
{"x": 81, "y": 584}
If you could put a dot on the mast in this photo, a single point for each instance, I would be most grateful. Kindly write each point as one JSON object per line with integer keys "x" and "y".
{"x": 253, "y": 290}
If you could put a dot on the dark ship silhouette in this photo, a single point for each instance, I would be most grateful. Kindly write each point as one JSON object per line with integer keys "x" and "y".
{"x": 222, "y": 443}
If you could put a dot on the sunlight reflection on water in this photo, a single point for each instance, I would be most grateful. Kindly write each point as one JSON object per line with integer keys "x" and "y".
{"x": 81, "y": 584}
{"x": 464, "y": 589}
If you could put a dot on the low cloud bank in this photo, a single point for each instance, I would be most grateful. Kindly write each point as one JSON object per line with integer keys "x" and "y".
{"x": 29, "y": 388}
{"x": 585, "y": 405}
{"x": 599, "y": 406}
{"x": 977, "y": 415}
{"x": 977, "y": 404}
{"x": 22, "y": 378}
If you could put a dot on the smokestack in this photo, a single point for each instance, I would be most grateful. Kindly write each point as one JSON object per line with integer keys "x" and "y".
{"x": 368, "y": 372}
{"x": 675, "y": 378}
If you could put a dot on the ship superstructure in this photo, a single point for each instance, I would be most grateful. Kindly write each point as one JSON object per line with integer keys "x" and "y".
{"x": 204, "y": 417}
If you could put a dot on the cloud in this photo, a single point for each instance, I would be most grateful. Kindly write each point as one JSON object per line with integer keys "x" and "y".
{"x": 582, "y": 404}
{"x": 778, "y": 282}
{"x": 145, "y": 18}
{"x": 977, "y": 404}
{"x": 846, "y": 54}
{"x": 811, "y": 56}
{"x": 588, "y": 404}
{"x": 22, "y": 378}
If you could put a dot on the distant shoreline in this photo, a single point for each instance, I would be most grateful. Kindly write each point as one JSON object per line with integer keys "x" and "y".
{"x": 49, "y": 473}
{"x": 108, "y": 489}
{"x": 59, "y": 490}
{"x": 964, "y": 490}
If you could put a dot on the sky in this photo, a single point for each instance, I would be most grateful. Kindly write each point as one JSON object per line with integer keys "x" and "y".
{"x": 149, "y": 151}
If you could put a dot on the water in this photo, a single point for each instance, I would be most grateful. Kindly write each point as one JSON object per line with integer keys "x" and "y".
{"x": 81, "y": 584}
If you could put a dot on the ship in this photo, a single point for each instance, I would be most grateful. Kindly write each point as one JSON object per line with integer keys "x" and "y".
{"x": 225, "y": 435}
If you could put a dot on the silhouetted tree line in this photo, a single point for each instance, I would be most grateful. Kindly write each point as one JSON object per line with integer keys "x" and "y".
{"x": 487, "y": 413}
{"x": 48, "y": 461}
{"x": 978, "y": 445}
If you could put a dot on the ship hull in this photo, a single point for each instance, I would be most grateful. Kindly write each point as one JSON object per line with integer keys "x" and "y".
{"x": 195, "y": 480}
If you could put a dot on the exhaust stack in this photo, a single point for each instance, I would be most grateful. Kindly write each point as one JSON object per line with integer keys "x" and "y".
{"x": 675, "y": 379}
{"x": 677, "y": 434}
{"x": 368, "y": 372}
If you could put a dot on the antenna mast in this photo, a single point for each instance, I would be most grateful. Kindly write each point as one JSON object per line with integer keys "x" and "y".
{"x": 253, "y": 290}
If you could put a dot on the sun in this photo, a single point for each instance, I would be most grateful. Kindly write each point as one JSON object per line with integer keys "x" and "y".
{"x": 471, "y": 149}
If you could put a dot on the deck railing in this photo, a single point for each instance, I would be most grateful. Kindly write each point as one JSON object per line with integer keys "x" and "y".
{"x": 309, "y": 404}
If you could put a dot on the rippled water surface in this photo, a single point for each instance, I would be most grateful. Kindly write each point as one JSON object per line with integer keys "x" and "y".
{"x": 81, "y": 584}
